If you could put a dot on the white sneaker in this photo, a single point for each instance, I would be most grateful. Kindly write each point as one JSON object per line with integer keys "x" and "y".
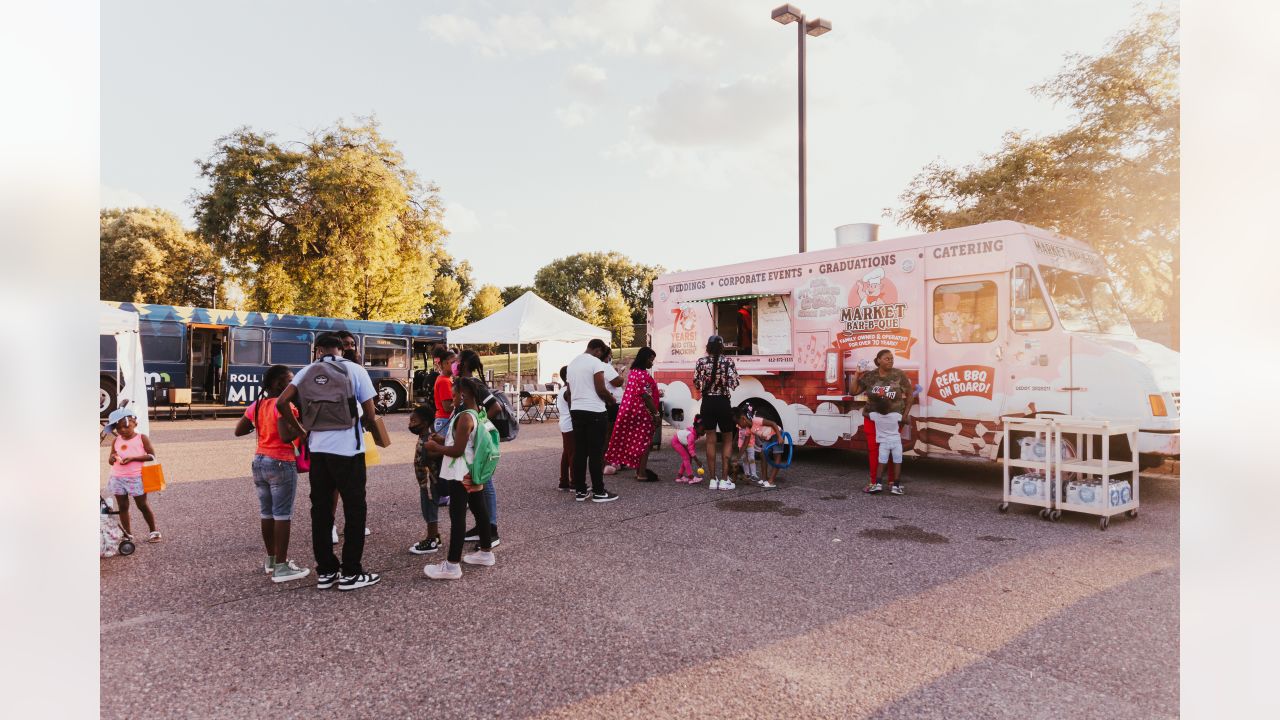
{"x": 727, "y": 484}
{"x": 335, "y": 534}
{"x": 444, "y": 571}
{"x": 713, "y": 484}
{"x": 479, "y": 557}
{"x": 367, "y": 531}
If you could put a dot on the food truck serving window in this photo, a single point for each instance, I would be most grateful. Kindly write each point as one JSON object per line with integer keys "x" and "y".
{"x": 759, "y": 325}
{"x": 965, "y": 312}
{"x": 1085, "y": 303}
{"x": 1030, "y": 311}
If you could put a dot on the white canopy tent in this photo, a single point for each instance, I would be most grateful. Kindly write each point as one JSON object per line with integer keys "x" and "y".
{"x": 131, "y": 378}
{"x": 532, "y": 320}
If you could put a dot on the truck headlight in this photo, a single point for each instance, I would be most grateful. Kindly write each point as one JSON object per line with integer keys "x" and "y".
{"x": 1157, "y": 405}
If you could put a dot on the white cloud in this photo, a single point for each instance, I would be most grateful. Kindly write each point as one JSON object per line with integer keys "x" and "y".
{"x": 113, "y": 197}
{"x": 702, "y": 113}
{"x": 508, "y": 34}
{"x": 575, "y": 114}
{"x": 459, "y": 218}
{"x": 587, "y": 75}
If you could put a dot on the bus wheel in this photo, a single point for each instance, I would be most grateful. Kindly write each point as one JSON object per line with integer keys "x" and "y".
{"x": 390, "y": 398}
{"x": 106, "y": 397}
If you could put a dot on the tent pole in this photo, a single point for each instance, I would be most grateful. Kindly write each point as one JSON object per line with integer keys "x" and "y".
{"x": 519, "y": 387}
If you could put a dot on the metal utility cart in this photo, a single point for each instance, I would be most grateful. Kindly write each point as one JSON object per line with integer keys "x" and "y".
{"x": 1094, "y": 490}
{"x": 1022, "y": 487}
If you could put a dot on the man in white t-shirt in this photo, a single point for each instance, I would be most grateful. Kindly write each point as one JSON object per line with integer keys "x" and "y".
{"x": 337, "y": 463}
{"x": 589, "y": 401}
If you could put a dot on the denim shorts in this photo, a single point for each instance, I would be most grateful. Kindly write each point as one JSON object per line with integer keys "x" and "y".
{"x": 890, "y": 448}
{"x": 276, "y": 482}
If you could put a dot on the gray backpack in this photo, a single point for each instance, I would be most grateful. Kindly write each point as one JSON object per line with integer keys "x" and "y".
{"x": 325, "y": 397}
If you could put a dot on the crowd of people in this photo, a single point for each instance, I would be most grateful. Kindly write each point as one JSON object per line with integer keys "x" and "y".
{"x": 320, "y": 420}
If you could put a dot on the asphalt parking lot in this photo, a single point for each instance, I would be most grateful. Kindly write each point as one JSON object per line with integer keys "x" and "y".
{"x": 812, "y": 600}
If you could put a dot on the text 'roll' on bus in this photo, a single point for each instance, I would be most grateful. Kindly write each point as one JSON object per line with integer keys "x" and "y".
{"x": 989, "y": 321}
{"x": 222, "y": 354}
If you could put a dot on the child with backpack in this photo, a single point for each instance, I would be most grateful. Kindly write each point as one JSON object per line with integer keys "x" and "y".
{"x": 275, "y": 474}
{"x": 470, "y": 450}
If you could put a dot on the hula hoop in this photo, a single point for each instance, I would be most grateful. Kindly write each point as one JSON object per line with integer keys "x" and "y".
{"x": 786, "y": 439}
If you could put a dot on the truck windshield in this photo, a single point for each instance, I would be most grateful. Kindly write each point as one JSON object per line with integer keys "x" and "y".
{"x": 1085, "y": 303}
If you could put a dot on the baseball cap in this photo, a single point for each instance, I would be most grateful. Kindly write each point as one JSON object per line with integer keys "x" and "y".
{"x": 116, "y": 416}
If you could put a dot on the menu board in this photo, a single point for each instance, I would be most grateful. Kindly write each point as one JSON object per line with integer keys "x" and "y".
{"x": 773, "y": 327}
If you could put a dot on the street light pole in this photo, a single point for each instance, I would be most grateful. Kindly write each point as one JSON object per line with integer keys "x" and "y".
{"x": 786, "y": 15}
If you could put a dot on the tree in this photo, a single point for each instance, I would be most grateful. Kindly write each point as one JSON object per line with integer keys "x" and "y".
{"x": 617, "y": 318}
{"x": 511, "y": 293}
{"x": 487, "y": 301}
{"x": 146, "y": 256}
{"x": 458, "y": 270}
{"x": 587, "y": 306}
{"x": 1110, "y": 180}
{"x": 444, "y": 304}
{"x": 559, "y": 281}
{"x": 336, "y": 225}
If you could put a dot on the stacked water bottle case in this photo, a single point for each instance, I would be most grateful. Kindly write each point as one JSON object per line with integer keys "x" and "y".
{"x": 1054, "y": 477}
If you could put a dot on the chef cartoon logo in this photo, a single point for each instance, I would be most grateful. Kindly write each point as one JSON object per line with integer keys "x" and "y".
{"x": 874, "y": 289}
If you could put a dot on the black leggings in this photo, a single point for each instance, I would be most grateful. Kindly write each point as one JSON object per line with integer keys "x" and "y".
{"x": 459, "y": 501}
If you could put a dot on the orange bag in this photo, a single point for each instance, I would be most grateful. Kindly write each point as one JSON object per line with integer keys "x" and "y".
{"x": 152, "y": 478}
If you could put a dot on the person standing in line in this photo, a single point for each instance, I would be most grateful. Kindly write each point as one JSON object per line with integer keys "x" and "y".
{"x": 566, "y": 432}
{"x": 614, "y": 382}
{"x": 638, "y": 415}
{"x": 421, "y": 421}
{"x": 715, "y": 377}
{"x": 350, "y": 353}
{"x": 589, "y": 401}
{"x": 888, "y": 382}
{"x": 275, "y": 474}
{"x": 888, "y": 441}
{"x": 458, "y": 447}
{"x": 337, "y": 392}
{"x": 470, "y": 366}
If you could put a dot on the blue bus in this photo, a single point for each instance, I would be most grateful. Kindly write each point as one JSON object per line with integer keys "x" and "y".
{"x": 222, "y": 354}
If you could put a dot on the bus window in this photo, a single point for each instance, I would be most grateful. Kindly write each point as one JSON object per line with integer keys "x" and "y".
{"x": 1030, "y": 311}
{"x": 290, "y": 347}
{"x": 161, "y": 341}
{"x": 965, "y": 313}
{"x": 247, "y": 346}
{"x": 386, "y": 352}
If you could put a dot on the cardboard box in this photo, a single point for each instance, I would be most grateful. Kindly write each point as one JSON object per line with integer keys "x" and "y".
{"x": 179, "y": 396}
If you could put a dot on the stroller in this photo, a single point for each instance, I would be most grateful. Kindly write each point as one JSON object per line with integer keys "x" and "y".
{"x": 113, "y": 539}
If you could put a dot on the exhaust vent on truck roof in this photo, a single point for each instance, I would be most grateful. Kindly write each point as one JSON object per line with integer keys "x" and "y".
{"x": 857, "y": 234}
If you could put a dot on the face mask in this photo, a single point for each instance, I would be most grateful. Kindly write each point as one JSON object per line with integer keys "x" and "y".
{"x": 349, "y": 355}
{"x": 416, "y": 430}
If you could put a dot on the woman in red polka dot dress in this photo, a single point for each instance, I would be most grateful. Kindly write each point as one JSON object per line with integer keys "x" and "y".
{"x": 638, "y": 416}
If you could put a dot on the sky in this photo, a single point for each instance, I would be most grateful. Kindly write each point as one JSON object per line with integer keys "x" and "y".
{"x": 664, "y": 130}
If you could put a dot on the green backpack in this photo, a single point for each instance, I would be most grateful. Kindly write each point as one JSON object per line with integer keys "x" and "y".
{"x": 486, "y": 447}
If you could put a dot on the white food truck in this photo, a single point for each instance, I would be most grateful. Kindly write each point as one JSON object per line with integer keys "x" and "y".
{"x": 991, "y": 321}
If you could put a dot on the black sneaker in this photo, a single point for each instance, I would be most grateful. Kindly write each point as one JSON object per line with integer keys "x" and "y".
{"x": 355, "y": 582}
{"x": 428, "y": 545}
{"x": 581, "y": 495}
{"x": 605, "y": 496}
{"x": 472, "y": 535}
{"x": 324, "y": 581}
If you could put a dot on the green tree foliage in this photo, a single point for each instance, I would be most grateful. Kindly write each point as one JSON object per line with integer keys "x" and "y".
{"x": 587, "y": 306}
{"x": 617, "y": 318}
{"x": 1111, "y": 179}
{"x": 511, "y": 293}
{"x": 146, "y": 256}
{"x": 459, "y": 270}
{"x": 335, "y": 225}
{"x": 445, "y": 305}
{"x": 560, "y": 281}
{"x": 487, "y": 301}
